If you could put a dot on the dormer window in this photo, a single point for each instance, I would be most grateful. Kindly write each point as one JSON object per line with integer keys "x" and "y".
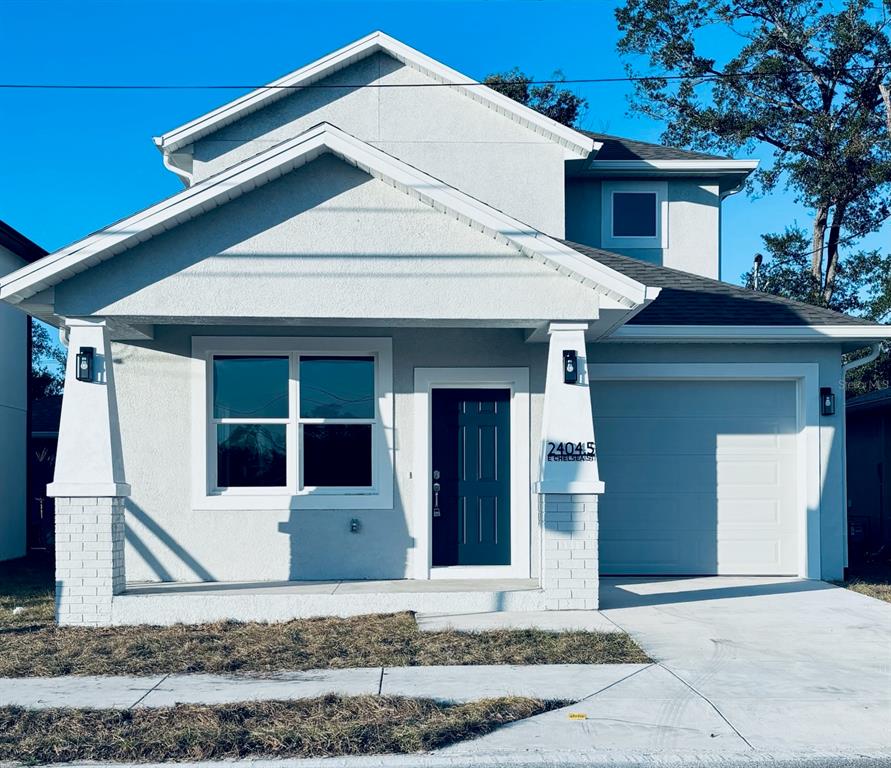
{"x": 635, "y": 214}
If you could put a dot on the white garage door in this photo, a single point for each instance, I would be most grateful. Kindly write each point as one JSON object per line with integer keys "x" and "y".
{"x": 700, "y": 476}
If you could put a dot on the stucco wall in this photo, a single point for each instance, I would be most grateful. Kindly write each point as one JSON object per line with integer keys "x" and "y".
{"x": 167, "y": 540}
{"x": 438, "y": 130}
{"x": 13, "y": 420}
{"x": 828, "y": 356}
{"x": 325, "y": 241}
{"x": 693, "y": 224}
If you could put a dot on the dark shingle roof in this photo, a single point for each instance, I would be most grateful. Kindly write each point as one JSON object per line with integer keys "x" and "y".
{"x": 688, "y": 299}
{"x": 618, "y": 148}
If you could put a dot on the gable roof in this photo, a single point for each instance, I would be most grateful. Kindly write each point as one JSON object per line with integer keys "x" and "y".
{"x": 619, "y": 148}
{"x": 686, "y": 299}
{"x": 291, "y": 154}
{"x": 576, "y": 144}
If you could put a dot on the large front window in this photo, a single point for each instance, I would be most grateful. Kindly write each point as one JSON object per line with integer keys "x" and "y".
{"x": 299, "y": 417}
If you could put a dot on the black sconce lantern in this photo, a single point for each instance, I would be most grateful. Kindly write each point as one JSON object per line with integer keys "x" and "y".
{"x": 827, "y": 402}
{"x": 84, "y": 363}
{"x": 570, "y": 367}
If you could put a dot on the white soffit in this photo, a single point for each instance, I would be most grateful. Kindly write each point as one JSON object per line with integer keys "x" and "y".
{"x": 576, "y": 145}
{"x": 287, "y": 156}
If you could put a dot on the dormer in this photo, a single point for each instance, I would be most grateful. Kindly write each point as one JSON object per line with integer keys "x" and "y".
{"x": 655, "y": 203}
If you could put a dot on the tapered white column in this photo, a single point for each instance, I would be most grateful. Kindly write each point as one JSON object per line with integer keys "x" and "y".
{"x": 569, "y": 482}
{"x": 88, "y": 456}
{"x": 89, "y": 486}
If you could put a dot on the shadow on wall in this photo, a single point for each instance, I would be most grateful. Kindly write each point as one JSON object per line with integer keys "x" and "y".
{"x": 667, "y": 449}
{"x": 323, "y": 544}
{"x": 150, "y": 558}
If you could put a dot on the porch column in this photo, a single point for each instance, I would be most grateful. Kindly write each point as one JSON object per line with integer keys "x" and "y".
{"x": 89, "y": 485}
{"x": 569, "y": 483}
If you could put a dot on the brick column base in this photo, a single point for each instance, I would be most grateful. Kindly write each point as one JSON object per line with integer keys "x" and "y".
{"x": 89, "y": 559}
{"x": 569, "y": 568}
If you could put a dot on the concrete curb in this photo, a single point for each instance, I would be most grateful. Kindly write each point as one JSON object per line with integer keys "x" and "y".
{"x": 567, "y": 759}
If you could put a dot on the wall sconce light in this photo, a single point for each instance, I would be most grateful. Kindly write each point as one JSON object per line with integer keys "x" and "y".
{"x": 827, "y": 402}
{"x": 570, "y": 367}
{"x": 84, "y": 363}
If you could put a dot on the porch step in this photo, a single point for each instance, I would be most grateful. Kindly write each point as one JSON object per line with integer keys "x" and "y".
{"x": 197, "y": 603}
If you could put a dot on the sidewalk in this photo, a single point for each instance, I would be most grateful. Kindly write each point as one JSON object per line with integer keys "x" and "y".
{"x": 570, "y": 682}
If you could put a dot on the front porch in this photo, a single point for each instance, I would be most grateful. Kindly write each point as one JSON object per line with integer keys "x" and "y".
{"x": 201, "y": 602}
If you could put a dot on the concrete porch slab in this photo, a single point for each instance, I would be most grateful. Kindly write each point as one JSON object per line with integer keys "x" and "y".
{"x": 197, "y": 603}
{"x": 549, "y": 621}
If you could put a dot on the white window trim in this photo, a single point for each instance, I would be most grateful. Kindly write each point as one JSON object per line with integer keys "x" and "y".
{"x": 811, "y": 434}
{"x": 379, "y": 496}
{"x": 517, "y": 381}
{"x": 657, "y": 188}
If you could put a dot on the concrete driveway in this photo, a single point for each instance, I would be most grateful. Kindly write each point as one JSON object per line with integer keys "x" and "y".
{"x": 744, "y": 666}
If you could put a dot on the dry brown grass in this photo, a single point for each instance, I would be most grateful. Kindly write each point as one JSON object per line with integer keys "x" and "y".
{"x": 878, "y": 590}
{"x": 30, "y": 643}
{"x": 323, "y": 727}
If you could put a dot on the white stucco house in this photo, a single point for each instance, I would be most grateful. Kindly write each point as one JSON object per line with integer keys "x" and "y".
{"x": 16, "y": 251}
{"x": 402, "y": 343}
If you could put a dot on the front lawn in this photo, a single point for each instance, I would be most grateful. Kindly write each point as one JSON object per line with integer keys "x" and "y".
{"x": 871, "y": 579}
{"x": 324, "y": 727}
{"x": 31, "y": 644}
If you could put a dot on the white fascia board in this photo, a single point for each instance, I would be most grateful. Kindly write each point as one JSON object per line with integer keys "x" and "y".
{"x": 735, "y": 333}
{"x": 285, "y": 157}
{"x": 710, "y": 167}
{"x": 576, "y": 144}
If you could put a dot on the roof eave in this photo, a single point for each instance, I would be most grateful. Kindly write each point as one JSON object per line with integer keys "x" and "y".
{"x": 575, "y": 144}
{"x": 673, "y": 167}
{"x": 290, "y": 154}
{"x": 752, "y": 333}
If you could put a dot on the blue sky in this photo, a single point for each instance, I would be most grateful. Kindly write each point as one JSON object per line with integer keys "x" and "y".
{"x": 75, "y": 161}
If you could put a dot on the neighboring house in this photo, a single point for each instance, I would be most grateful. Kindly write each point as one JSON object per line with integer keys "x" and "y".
{"x": 868, "y": 422}
{"x": 45, "y": 415}
{"x": 376, "y": 338}
{"x": 16, "y": 251}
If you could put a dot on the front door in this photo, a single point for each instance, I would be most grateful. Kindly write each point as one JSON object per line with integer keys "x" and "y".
{"x": 470, "y": 485}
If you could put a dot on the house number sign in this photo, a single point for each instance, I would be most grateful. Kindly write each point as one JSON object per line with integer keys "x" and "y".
{"x": 569, "y": 451}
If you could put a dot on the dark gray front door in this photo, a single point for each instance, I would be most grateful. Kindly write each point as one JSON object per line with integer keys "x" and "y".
{"x": 470, "y": 486}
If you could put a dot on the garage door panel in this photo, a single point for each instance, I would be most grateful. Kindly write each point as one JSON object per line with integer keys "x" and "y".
{"x": 647, "y": 437}
{"x": 630, "y": 513}
{"x": 744, "y": 514}
{"x": 698, "y": 399}
{"x": 623, "y": 472}
{"x": 655, "y": 554}
{"x": 700, "y": 476}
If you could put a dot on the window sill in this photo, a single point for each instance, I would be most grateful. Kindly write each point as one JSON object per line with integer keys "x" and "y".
{"x": 287, "y": 502}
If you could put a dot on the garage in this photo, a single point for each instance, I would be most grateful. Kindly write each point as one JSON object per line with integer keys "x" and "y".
{"x": 701, "y": 476}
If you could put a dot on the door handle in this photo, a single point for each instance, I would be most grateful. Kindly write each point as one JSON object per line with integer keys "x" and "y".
{"x": 436, "y": 489}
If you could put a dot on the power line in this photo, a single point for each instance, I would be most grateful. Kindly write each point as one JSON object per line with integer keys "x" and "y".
{"x": 356, "y": 86}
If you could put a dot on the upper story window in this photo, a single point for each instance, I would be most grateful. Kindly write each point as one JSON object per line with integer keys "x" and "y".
{"x": 284, "y": 423}
{"x": 635, "y": 214}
